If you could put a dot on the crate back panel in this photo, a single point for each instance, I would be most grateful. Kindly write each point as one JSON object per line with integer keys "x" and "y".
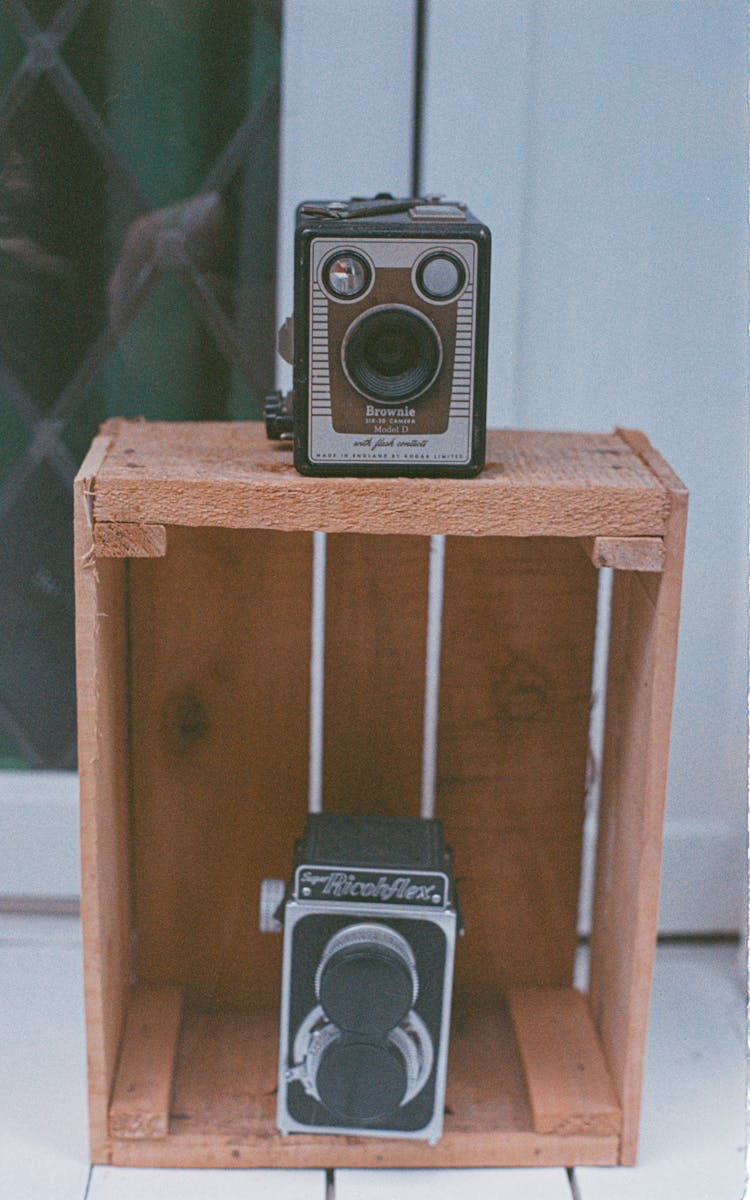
{"x": 220, "y": 637}
{"x": 376, "y": 619}
{"x": 518, "y": 635}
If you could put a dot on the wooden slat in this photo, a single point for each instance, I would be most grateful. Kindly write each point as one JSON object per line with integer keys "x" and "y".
{"x": 376, "y": 602}
{"x": 102, "y": 699}
{"x": 224, "y": 1103}
{"x": 128, "y": 539}
{"x": 566, "y": 1076}
{"x": 518, "y": 633}
{"x": 563, "y": 484}
{"x": 220, "y": 646}
{"x": 640, "y": 685}
{"x": 626, "y": 554}
{"x": 143, "y": 1087}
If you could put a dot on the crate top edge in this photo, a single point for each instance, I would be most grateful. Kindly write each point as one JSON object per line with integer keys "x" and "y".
{"x": 228, "y": 475}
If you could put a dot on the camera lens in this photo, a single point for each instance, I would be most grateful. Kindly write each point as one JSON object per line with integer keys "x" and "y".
{"x": 391, "y": 354}
{"x": 361, "y": 1081}
{"x": 366, "y": 980}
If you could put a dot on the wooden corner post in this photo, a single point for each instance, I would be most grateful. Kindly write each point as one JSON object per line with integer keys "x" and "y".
{"x": 102, "y": 688}
{"x": 640, "y": 684}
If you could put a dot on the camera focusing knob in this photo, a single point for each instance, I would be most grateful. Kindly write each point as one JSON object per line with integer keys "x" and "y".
{"x": 272, "y": 892}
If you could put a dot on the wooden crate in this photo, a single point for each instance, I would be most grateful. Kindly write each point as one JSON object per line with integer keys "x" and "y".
{"x": 193, "y": 567}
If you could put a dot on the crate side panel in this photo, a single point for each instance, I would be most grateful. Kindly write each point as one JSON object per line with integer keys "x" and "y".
{"x": 103, "y": 765}
{"x": 518, "y": 634}
{"x": 220, "y": 661}
{"x": 640, "y": 687}
{"x": 376, "y": 606}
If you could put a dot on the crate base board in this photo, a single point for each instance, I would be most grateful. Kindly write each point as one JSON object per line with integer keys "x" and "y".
{"x": 223, "y": 1098}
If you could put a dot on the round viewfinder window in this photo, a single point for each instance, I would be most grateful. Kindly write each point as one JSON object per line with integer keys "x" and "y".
{"x": 441, "y": 276}
{"x": 346, "y": 276}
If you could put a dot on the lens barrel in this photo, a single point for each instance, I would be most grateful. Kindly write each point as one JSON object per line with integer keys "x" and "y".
{"x": 392, "y": 354}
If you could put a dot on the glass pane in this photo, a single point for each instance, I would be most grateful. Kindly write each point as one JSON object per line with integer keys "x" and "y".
{"x": 36, "y": 616}
{"x": 51, "y": 282}
{"x": 15, "y": 438}
{"x": 137, "y": 263}
{"x": 11, "y": 755}
{"x": 165, "y": 366}
{"x": 43, "y": 10}
{"x": 11, "y": 50}
{"x": 175, "y": 86}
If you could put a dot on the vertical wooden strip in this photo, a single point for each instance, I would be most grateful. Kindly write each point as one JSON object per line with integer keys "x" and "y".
{"x": 102, "y": 687}
{"x": 220, "y": 662}
{"x": 518, "y": 635}
{"x": 640, "y": 685}
{"x": 376, "y": 613}
{"x": 143, "y": 1089}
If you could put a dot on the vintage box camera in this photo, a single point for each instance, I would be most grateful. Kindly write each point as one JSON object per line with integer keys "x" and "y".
{"x": 370, "y": 923}
{"x": 390, "y": 330}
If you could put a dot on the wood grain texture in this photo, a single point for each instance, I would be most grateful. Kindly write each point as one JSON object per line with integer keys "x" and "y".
{"x": 195, "y": 704}
{"x": 220, "y": 642}
{"x": 376, "y": 603}
{"x": 626, "y": 554}
{"x": 143, "y": 1087}
{"x": 518, "y": 632}
{"x": 128, "y": 539}
{"x": 103, "y": 767}
{"x": 229, "y": 475}
{"x": 566, "y": 1076}
{"x": 640, "y": 686}
{"x": 223, "y": 1107}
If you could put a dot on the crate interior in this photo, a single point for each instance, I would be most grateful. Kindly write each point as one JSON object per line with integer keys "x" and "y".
{"x": 218, "y": 670}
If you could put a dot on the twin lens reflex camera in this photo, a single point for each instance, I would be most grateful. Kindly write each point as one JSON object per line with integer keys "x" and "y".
{"x": 388, "y": 339}
{"x": 369, "y": 929}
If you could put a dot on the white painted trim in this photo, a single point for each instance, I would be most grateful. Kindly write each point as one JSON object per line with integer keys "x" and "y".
{"x": 704, "y": 885}
{"x": 39, "y": 853}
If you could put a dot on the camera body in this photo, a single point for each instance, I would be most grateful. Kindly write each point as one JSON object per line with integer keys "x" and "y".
{"x": 391, "y": 309}
{"x": 369, "y": 923}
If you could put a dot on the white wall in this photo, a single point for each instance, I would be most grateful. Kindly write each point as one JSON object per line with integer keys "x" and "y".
{"x": 607, "y": 150}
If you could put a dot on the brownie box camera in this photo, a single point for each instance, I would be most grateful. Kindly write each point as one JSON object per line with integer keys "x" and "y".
{"x": 369, "y": 933}
{"x": 390, "y": 338}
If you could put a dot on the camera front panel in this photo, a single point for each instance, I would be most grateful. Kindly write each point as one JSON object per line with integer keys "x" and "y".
{"x": 365, "y": 1012}
{"x": 390, "y": 369}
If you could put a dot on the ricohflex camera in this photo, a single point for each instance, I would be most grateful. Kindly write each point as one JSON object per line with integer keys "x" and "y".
{"x": 390, "y": 328}
{"x": 369, "y": 923}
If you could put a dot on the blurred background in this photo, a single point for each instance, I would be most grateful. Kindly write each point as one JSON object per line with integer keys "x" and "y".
{"x": 151, "y": 156}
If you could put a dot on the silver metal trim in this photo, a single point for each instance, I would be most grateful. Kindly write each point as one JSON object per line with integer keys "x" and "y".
{"x": 452, "y": 447}
{"x": 446, "y": 919}
{"x": 367, "y": 933}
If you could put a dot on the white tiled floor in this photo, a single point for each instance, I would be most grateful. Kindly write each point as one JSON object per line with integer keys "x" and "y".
{"x": 692, "y": 1134}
